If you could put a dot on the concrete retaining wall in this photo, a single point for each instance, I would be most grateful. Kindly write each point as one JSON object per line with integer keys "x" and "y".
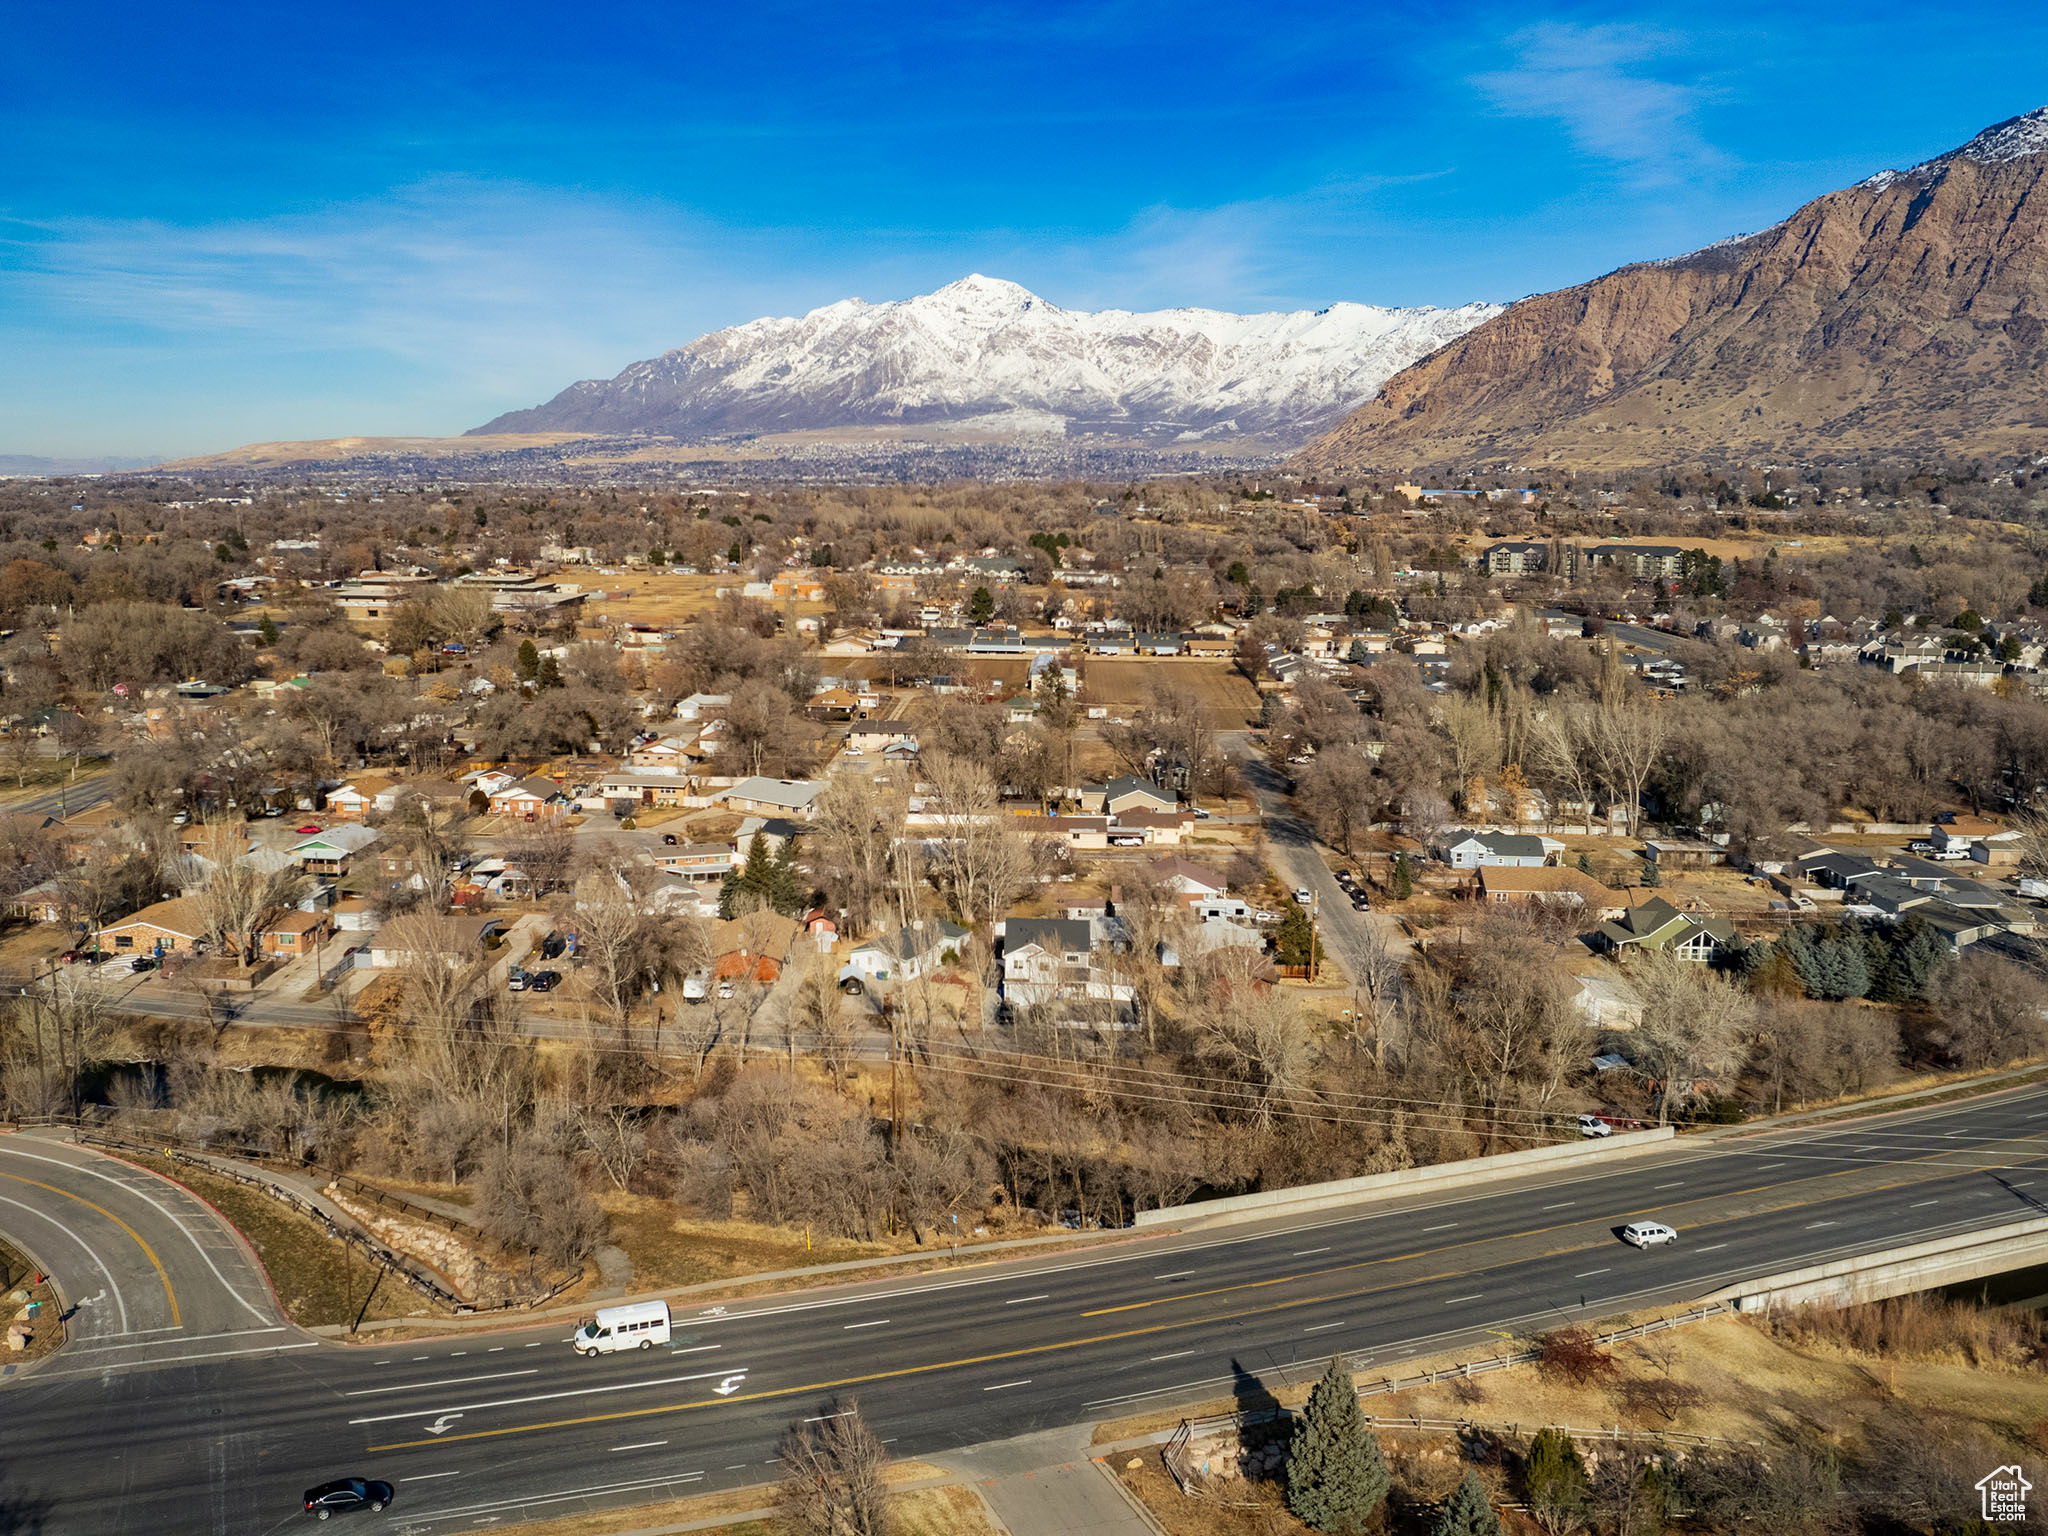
{"x": 1408, "y": 1181}
{"x": 1898, "y": 1271}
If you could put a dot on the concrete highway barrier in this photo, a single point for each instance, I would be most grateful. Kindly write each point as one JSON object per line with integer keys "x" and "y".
{"x": 1464, "y": 1174}
{"x": 1898, "y": 1271}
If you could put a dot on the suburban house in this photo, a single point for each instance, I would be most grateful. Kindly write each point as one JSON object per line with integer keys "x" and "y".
{"x": 877, "y": 736}
{"x": 657, "y": 787}
{"x": 529, "y": 799}
{"x": 1464, "y": 849}
{"x": 332, "y": 851}
{"x": 1129, "y": 794}
{"x": 294, "y": 934}
{"x": 358, "y": 798}
{"x": 163, "y": 928}
{"x": 696, "y": 861}
{"x": 1047, "y": 959}
{"x": 1184, "y": 877}
{"x": 468, "y": 938}
{"x": 1977, "y": 838}
{"x": 1656, "y": 924}
{"x": 753, "y": 948}
{"x": 773, "y": 797}
{"x": 1551, "y": 885}
{"x": 904, "y": 955}
{"x": 1605, "y": 1000}
{"x": 1159, "y": 828}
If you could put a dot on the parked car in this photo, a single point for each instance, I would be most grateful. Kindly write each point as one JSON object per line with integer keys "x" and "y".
{"x": 1360, "y": 903}
{"x": 668, "y": 839}
{"x": 82, "y": 957}
{"x": 142, "y": 963}
{"x": 1303, "y": 896}
{"x": 308, "y": 830}
{"x": 725, "y": 989}
{"x": 345, "y": 1496}
{"x": 517, "y": 980}
{"x": 543, "y": 981}
{"x": 552, "y": 946}
{"x": 1648, "y": 1234}
{"x": 1593, "y": 1125}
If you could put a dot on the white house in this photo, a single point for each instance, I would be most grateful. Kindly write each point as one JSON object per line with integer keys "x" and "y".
{"x": 1464, "y": 849}
{"x": 904, "y": 955}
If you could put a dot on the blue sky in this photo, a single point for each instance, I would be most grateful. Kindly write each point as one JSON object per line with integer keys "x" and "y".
{"x": 229, "y": 224}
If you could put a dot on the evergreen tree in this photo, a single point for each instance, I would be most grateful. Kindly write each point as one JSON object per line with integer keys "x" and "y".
{"x": 1585, "y": 864}
{"x": 1468, "y": 1512}
{"x": 549, "y": 674}
{"x": 529, "y": 661}
{"x": 1294, "y": 941}
{"x": 1913, "y": 954}
{"x": 1404, "y": 882}
{"x": 1653, "y": 877}
{"x": 1358, "y": 655}
{"x": 1337, "y": 1478}
{"x": 266, "y": 630}
{"x": 981, "y": 606}
{"x": 1555, "y": 1480}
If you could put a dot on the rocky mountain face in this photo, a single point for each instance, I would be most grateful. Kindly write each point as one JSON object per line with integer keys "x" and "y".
{"x": 1906, "y": 315}
{"x": 989, "y": 360}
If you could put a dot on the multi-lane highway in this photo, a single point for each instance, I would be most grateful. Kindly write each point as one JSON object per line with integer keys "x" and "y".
{"x": 492, "y": 1427}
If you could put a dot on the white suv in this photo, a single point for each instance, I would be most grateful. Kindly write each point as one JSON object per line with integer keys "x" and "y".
{"x": 1648, "y": 1234}
{"x": 1593, "y": 1125}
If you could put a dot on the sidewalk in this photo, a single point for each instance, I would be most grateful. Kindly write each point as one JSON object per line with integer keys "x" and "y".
{"x": 1050, "y": 1484}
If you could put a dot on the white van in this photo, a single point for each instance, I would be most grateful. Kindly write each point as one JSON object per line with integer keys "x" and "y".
{"x": 640, "y": 1326}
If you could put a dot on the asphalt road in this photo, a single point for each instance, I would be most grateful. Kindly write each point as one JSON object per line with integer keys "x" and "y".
{"x": 147, "y": 1271}
{"x": 1292, "y": 843}
{"x": 494, "y": 1427}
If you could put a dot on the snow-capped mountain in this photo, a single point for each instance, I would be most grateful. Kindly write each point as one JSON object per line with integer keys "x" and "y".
{"x": 984, "y": 355}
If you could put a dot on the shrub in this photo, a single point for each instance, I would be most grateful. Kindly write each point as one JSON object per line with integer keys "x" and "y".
{"x": 1573, "y": 1354}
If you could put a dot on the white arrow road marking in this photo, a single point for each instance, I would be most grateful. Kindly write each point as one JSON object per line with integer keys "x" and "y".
{"x": 542, "y": 1397}
{"x": 440, "y": 1425}
{"x": 730, "y": 1385}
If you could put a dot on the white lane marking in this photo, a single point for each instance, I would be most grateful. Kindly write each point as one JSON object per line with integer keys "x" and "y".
{"x": 1018, "y": 1301}
{"x": 1560, "y": 1205}
{"x": 90, "y": 1252}
{"x": 1004, "y": 1386}
{"x": 1589, "y": 1274}
{"x": 880, "y": 1322}
{"x": 457, "y": 1354}
{"x": 441, "y": 1425}
{"x": 596, "y": 1490}
{"x": 695, "y": 1349}
{"x": 1319, "y": 1327}
{"x": 451, "y": 1381}
{"x": 820, "y": 1419}
{"x": 495, "y": 1349}
{"x": 1302, "y": 1253}
{"x": 540, "y": 1397}
{"x": 536, "y": 1344}
{"x": 1815, "y": 1225}
{"x": 1454, "y": 1300}
{"x": 1710, "y": 1248}
{"x": 1444, "y": 1228}
{"x": 417, "y": 1358}
{"x": 1178, "y": 1274}
{"x": 147, "y": 1199}
{"x": 1178, "y": 1354}
{"x": 151, "y": 1361}
{"x": 2022, "y": 1184}
{"x": 1149, "y": 1392}
{"x": 427, "y": 1477}
{"x": 639, "y": 1445}
{"x": 183, "y": 1338}
{"x": 1767, "y": 1167}
{"x": 1918, "y": 1203}
{"x": 1674, "y": 1184}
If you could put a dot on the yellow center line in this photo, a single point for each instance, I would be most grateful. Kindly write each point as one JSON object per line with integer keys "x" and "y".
{"x": 170, "y": 1295}
{"x": 1059, "y": 1345}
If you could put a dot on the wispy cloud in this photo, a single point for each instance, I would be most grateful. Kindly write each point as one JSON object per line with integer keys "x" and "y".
{"x": 1611, "y": 88}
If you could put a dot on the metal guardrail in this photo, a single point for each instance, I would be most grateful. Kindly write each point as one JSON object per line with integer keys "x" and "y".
{"x": 387, "y": 1200}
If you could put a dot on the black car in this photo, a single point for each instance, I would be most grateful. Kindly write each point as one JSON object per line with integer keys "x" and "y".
{"x": 142, "y": 963}
{"x": 543, "y": 981}
{"x": 345, "y": 1496}
{"x": 668, "y": 839}
{"x": 552, "y": 946}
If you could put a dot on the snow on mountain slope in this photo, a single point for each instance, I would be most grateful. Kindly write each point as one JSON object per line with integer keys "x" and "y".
{"x": 989, "y": 354}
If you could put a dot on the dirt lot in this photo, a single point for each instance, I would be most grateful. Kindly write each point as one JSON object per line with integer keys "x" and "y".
{"x": 1126, "y": 681}
{"x": 951, "y": 1510}
{"x": 651, "y": 597}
